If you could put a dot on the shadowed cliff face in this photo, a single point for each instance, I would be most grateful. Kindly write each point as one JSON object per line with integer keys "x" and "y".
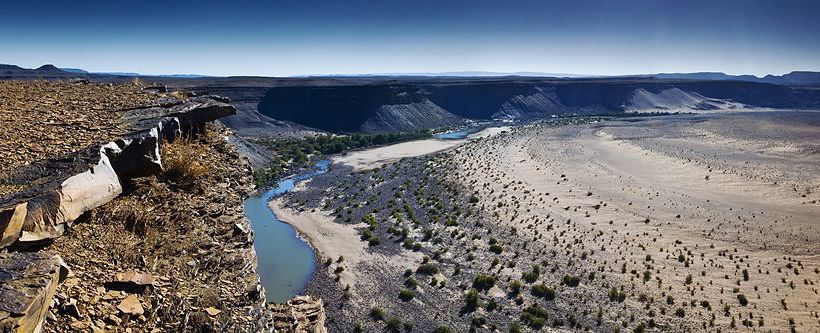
{"x": 388, "y": 106}
{"x": 372, "y": 108}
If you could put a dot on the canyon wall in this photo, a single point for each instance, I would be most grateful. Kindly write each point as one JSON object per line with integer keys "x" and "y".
{"x": 412, "y": 104}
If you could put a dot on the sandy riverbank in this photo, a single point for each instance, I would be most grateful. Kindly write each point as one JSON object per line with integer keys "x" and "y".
{"x": 376, "y": 157}
{"x": 331, "y": 239}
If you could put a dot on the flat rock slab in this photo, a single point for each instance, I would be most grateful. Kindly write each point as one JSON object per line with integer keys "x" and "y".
{"x": 27, "y": 285}
{"x": 57, "y": 191}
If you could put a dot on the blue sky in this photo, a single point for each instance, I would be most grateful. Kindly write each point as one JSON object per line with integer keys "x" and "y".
{"x": 284, "y": 38}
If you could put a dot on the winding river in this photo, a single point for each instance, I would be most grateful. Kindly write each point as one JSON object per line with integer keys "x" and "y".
{"x": 458, "y": 134}
{"x": 286, "y": 262}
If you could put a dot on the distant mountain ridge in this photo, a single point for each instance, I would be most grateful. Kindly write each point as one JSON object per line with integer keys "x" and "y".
{"x": 455, "y": 74}
{"x": 45, "y": 72}
{"x": 48, "y": 71}
{"x": 793, "y": 78}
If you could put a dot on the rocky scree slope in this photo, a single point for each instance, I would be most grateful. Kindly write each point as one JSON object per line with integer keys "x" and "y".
{"x": 368, "y": 108}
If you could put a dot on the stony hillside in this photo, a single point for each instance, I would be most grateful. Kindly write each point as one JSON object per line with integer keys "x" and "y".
{"x": 373, "y": 108}
{"x": 122, "y": 210}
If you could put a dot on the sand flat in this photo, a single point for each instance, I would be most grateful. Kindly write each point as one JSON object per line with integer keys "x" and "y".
{"x": 376, "y": 157}
{"x": 632, "y": 195}
{"x": 331, "y": 239}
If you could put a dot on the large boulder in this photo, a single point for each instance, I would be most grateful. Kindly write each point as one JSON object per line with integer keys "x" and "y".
{"x": 42, "y": 212}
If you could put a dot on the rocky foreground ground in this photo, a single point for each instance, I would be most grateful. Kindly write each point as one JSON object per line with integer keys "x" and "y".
{"x": 43, "y": 119}
{"x": 123, "y": 211}
{"x": 681, "y": 223}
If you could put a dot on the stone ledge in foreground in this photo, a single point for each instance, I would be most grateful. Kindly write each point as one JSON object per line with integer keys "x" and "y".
{"x": 27, "y": 285}
{"x": 72, "y": 185}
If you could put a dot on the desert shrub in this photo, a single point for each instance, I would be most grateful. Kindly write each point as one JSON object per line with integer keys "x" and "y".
{"x": 393, "y": 325}
{"x": 541, "y": 290}
{"x": 471, "y": 300}
{"x": 182, "y": 160}
{"x": 478, "y": 321}
{"x": 571, "y": 281}
{"x": 411, "y": 283}
{"x": 515, "y": 287}
{"x": 616, "y": 295}
{"x": 491, "y": 305}
{"x": 427, "y": 269}
{"x": 534, "y": 316}
{"x": 443, "y": 329}
{"x": 483, "y": 282}
{"x": 377, "y": 313}
{"x": 373, "y": 241}
{"x": 515, "y": 327}
{"x": 532, "y": 275}
{"x": 742, "y": 299}
{"x": 406, "y": 295}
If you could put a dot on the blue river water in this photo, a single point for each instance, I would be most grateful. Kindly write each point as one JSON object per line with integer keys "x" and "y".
{"x": 459, "y": 134}
{"x": 286, "y": 262}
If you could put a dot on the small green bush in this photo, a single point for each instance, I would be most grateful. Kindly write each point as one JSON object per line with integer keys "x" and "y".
{"x": 541, "y": 290}
{"x": 406, "y": 295}
{"x": 534, "y": 316}
{"x": 427, "y": 269}
{"x": 471, "y": 300}
{"x": 377, "y": 313}
{"x": 571, "y": 281}
{"x": 483, "y": 282}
